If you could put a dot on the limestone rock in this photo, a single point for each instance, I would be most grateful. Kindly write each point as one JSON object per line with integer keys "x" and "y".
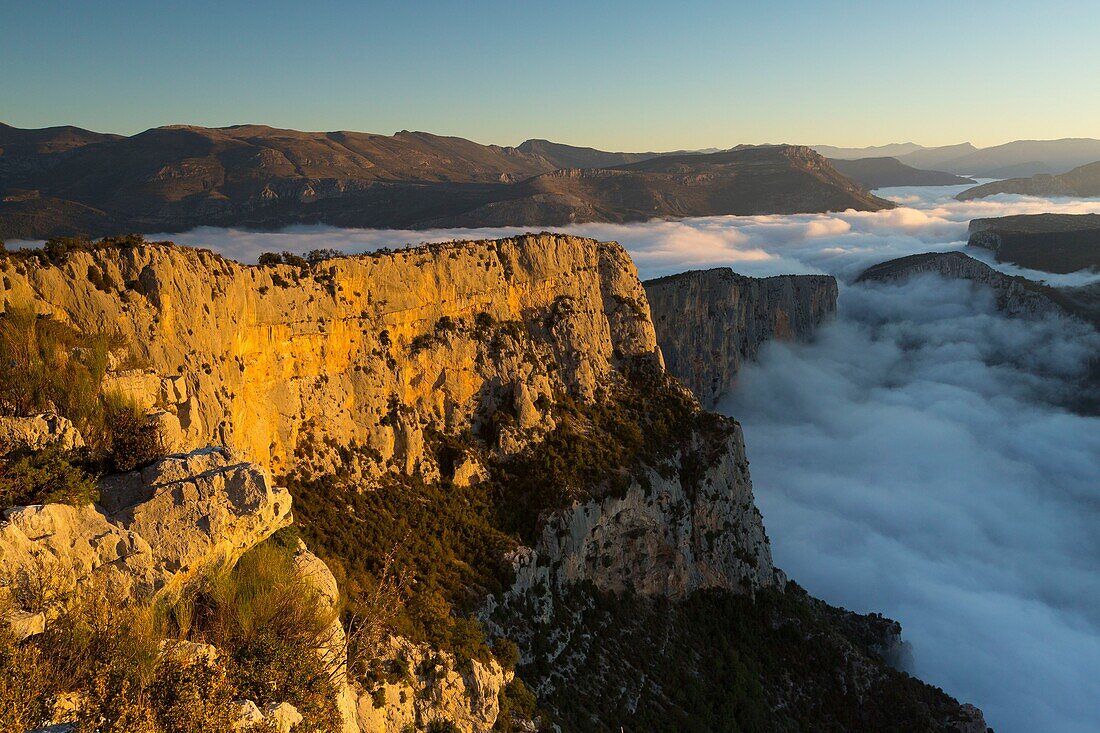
{"x": 434, "y": 688}
{"x": 60, "y": 545}
{"x": 187, "y": 653}
{"x": 710, "y": 321}
{"x": 24, "y": 623}
{"x": 668, "y": 538}
{"x": 158, "y": 528}
{"x": 469, "y": 472}
{"x": 247, "y": 714}
{"x": 168, "y": 430}
{"x": 38, "y": 431}
{"x": 272, "y": 361}
{"x": 283, "y": 716}
{"x": 202, "y": 508}
{"x": 142, "y": 386}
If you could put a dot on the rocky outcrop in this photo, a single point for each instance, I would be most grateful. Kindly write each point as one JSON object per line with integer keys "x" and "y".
{"x": 279, "y": 360}
{"x": 709, "y": 322}
{"x": 665, "y": 537}
{"x": 1016, "y": 296}
{"x": 155, "y": 530}
{"x": 428, "y": 686}
{"x": 1057, "y": 243}
{"x": 38, "y": 431}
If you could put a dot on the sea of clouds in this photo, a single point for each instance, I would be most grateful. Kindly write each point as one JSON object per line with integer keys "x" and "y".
{"x": 912, "y": 460}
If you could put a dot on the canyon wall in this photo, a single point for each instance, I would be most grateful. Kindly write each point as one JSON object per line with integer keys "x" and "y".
{"x": 709, "y": 322}
{"x": 372, "y": 349}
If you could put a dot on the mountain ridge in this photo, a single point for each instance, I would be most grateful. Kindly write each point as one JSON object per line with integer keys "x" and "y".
{"x": 178, "y": 177}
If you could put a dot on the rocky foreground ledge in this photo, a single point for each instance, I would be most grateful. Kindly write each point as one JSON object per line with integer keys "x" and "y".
{"x": 174, "y": 523}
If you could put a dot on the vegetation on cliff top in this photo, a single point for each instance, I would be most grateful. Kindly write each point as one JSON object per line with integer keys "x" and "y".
{"x": 47, "y": 366}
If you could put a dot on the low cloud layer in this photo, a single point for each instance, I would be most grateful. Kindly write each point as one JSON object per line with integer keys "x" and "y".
{"x": 911, "y": 461}
{"x": 839, "y": 243}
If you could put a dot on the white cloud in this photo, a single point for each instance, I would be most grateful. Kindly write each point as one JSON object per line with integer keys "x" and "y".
{"x": 910, "y": 462}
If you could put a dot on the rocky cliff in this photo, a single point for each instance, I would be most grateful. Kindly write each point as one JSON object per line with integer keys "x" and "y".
{"x": 1056, "y": 243}
{"x": 1016, "y": 296}
{"x": 709, "y": 322}
{"x": 489, "y": 426}
{"x": 277, "y": 360}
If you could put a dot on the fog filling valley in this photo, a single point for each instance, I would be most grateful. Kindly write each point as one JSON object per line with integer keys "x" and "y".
{"x": 912, "y": 460}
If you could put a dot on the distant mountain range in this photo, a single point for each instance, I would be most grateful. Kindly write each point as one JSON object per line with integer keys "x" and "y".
{"x": 1018, "y": 158}
{"x": 1081, "y": 181}
{"x": 885, "y": 172}
{"x": 63, "y": 181}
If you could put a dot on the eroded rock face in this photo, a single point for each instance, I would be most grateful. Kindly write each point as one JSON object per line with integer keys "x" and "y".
{"x": 434, "y": 687}
{"x": 709, "y": 322}
{"x": 38, "y": 431}
{"x": 156, "y": 528}
{"x": 59, "y": 546}
{"x": 669, "y": 535}
{"x": 198, "y": 510}
{"x": 272, "y": 361}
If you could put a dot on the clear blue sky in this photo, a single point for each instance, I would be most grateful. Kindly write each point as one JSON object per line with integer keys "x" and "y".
{"x": 627, "y": 76}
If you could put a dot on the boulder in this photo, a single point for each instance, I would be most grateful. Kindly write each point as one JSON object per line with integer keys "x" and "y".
{"x": 38, "y": 431}
{"x": 201, "y": 509}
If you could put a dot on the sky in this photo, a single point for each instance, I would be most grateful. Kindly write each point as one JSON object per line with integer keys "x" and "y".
{"x": 615, "y": 75}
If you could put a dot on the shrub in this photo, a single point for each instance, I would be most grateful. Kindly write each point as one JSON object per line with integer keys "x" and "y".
{"x": 130, "y": 438}
{"x": 316, "y": 256}
{"x": 506, "y": 652}
{"x": 440, "y": 725}
{"x": 25, "y": 690}
{"x": 192, "y": 698}
{"x": 269, "y": 623}
{"x": 517, "y": 703}
{"x": 45, "y": 364}
{"x": 44, "y": 477}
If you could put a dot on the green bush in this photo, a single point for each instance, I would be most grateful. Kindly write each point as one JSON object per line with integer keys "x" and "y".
{"x": 517, "y": 703}
{"x": 269, "y": 623}
{"x": 46, "y": 476}
{"x": 45, "y": 364}
{"x": 25, "y": 687}
{"x": 129, "y": 439}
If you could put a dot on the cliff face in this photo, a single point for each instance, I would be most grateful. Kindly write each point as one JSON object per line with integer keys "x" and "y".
{"x": 370, "y": 349}
{"x": 514, "y": 392}
{"x": 709, "y": 322}
{"x": 1016, "y": 296}
{"x": 1056, "y": 243}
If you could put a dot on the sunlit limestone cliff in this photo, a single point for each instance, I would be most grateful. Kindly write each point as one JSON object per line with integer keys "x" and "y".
{"x": 520, "y": 519}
